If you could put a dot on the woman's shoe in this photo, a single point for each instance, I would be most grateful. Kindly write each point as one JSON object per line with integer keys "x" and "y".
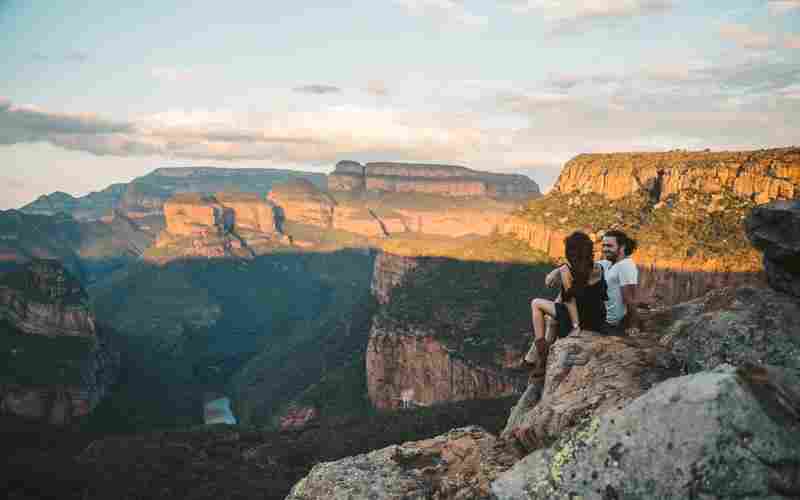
{"x": 541, "y": 347}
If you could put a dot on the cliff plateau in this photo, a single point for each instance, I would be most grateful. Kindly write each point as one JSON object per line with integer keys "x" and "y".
{"x": 445, "y": 180}
{"x": 760, "y": 176}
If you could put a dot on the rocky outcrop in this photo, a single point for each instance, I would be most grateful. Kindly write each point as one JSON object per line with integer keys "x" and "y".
{"x": 301, "y": 201}
{"x": 588, "y": 374}
{"x": 458, "y": 465}
{"x": 446, "y": 180}
{"x": 411, "y": 367}
{"x": 43, "y": 298}
{"x": 774, "y": 229}
{"x": 251, "y": 212}
{"x": 190, "y": 215}
{"x": 726, "y": 433}
{"x": 762, "y": 175}
{"x": 57, "y": 366}
{"x": 389, "y": 271}
{"x": 226, "y": 224}
{"x": 731, "y": 325}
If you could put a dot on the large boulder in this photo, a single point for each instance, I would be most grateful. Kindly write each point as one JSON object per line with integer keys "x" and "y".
{"x": 587, "y": 374}
{"x": 458, "y": 465}
{"x": 736, "y": 326}
{"x": 726, "y": 433}
{"x": 774, "y": 229}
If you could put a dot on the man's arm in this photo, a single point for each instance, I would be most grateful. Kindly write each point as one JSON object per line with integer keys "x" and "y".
{"x": 631, "y": 311}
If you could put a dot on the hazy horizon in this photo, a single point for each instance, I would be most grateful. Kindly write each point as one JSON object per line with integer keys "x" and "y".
{"x": 97, "y": 94}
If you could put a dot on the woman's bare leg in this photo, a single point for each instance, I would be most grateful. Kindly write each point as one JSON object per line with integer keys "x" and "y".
{"x": 540, "y": 307}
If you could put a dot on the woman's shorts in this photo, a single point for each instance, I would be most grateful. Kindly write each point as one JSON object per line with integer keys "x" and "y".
{"x": 563, "y": 320}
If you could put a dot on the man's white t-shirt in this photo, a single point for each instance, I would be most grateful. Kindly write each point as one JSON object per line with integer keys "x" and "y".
{"x": 623, "y": 272}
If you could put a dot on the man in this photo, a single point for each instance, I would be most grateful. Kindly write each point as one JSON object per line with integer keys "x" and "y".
{"x": 622, "y": 278}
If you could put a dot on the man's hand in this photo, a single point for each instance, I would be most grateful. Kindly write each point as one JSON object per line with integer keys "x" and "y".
{"x": 632, "y": 321}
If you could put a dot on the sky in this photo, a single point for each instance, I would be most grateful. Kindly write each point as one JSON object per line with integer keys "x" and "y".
{"x": 93, "y": 92}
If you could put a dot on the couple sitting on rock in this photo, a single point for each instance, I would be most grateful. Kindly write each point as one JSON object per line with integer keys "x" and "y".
{"x": 597, "y": 296}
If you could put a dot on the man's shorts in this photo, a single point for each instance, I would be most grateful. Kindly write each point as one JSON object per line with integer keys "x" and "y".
{"x": 616, "y": 329}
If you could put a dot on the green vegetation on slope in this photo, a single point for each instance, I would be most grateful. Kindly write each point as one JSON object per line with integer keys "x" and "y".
{"x": 263, "y": 329}
{"x": 37, "y": 360}
{"x": 692, "y": 224}
{"x": 476, "y": 306}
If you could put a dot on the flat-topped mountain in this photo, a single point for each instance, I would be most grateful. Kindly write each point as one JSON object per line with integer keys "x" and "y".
{"x": 760, "y": 176}
{"x": 446, "y": 180}
{"x": 219, "y": 225}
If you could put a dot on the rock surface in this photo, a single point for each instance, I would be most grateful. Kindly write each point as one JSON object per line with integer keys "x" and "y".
{"x": 303, "y": 202}
{"x": 412, "y": 365}
{"x": 458, "y": 465}
{"x": 447, "y": 180}
{"x": 56, "y": 366}
{"x": 736, "y": 326}
{"x": 43, "y": 298}
{"x": 762, "y": 175}
{"x": 389, "y": 272}
{"x": 588, "y": 374}
{"x": 222, "y": 225}
{"x": 774, "y": 229}
{"x": 726, "y": 433}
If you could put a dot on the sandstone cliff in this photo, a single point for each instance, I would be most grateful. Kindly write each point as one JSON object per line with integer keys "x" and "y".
{"x": 407, "y": 369}
{"x": 389, "y": 271}
{"x": 301, "y": 201}
{"x": 225, "y": 224}
{"x": 43, "y": 298}
{"x": 445, "y": 180}
{"x": 56, "y": 366}
{"x": 757, "y": 175}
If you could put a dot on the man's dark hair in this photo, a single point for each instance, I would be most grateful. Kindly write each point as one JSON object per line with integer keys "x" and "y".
{"x": 623, "y": 240}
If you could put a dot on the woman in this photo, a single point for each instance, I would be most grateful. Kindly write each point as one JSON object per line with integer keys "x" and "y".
{"x": 583, "y": 296}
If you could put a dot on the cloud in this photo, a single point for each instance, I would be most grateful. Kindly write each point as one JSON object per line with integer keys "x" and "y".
{"x": 30, "y": 124}
{"x": 377, "y": 88}
{"x": 317, "y": 89}
{"x": 298, "y": 136}
{"x": 565, "y": 14}
{"x": 745, "y": 36}
{"x": 446, "y": 11}
{"x": 778, "y": 7}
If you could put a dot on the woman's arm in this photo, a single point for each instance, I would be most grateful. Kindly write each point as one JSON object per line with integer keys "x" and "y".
{"x": 572, "y": 305}
{"x": 553, "y": 278}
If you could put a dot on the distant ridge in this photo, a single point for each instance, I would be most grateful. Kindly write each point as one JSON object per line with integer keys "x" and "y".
{"x": 145, "y": 196}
